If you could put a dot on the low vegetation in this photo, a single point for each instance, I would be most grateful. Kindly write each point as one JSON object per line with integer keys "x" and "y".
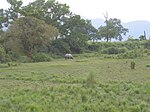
{"x": 83, "y": 84}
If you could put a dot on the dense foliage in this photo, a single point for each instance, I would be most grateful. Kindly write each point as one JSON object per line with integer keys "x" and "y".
{"x": 112, "y": 30}
{"x": 27, "y": 35}
{"x": 27, "y": 29}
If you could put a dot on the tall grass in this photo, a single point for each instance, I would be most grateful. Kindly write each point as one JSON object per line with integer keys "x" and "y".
{"x": 61, "y": 86}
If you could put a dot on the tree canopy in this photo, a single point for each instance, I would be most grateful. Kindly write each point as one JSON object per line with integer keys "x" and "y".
{"x": 27, "y": 33}
{"x": 112, "y": 30}
{"x": 50, "y": 27}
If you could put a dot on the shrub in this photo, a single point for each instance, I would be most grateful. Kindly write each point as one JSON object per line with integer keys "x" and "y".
{"x": 147, "y": 65}
{"x": 110, "y": 50}
{"x": 24, "y": 59}
{"x": 59, "y": 47}
{"x": 147, "y": 52}
{"x": 131, "y": 54}
{"x": 109, "y": 57}
{"x": 114, "y": 50}
{"x": 94, "y": 47}
{"x": 147, "y": 44}
{"x": 76, "y": 44}
{"x": 90, "y": 80}
{"x": 40, "y": 57}
{"x": 14, "y": 56}
{"x": 123, "y": 50}
{"x": 132, "y": 65}
{"x": 3, "y": 56}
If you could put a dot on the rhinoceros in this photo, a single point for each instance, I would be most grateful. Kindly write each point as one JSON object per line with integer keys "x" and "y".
{"x": 68, "y": 56}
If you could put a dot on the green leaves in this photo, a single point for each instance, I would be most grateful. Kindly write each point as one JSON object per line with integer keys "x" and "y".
{"x": 113, "y": 29}
{"x": 27, "y": 34}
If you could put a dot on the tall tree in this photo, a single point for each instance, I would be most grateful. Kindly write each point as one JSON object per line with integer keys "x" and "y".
{"x": 114, "y": 29}
{"x": 51, "y": 11}
{"x": 27, "y": 34}
{"x": 79, "y": 32}
{"x": 107, "y": 26}
{"x": 13, "y": 12}
{"x": 2, "y": 20}
{"x": 58, "y": 15}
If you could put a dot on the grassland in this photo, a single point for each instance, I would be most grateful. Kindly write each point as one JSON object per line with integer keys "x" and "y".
{"x": 62, "y": 86}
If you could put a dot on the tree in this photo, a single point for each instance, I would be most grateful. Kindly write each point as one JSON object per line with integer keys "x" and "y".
{"x": 50, "y": 11}
{"x": 143, "y": 37}
{"x": 13, "y": 12}
{"x": 76, "y": 24}
{"x": 27, "y": 34}
{"x": 58, "y": 15}
{"x": 3, "y": 20}
{"x": 113, "y": 29}
{"x": 59, "y": 47}
{"x": 107, "y": 26}
{"x": 70, "y": 26}
{"x": 79, "y": 32}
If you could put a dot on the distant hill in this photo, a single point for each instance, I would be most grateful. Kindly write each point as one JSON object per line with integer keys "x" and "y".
{"x": 97, "y": 22}
{"x": 136, "y": 28}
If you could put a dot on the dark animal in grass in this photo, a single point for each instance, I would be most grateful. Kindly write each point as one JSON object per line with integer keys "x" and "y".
{"x": 68, "y": 56}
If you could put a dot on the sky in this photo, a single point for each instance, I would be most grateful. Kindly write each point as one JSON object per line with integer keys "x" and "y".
{"x": 126, "y": 10}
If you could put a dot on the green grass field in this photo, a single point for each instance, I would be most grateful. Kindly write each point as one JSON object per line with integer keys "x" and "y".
{"x": 64, "y": 86}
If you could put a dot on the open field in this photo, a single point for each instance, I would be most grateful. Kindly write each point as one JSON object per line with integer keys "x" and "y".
{"x": 63, "y": 86}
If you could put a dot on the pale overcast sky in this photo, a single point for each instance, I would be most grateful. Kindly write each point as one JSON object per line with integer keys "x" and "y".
{"x": 126, "y": 10}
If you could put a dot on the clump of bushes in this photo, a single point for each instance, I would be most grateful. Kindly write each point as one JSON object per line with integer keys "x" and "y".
{"x": 147, "y": 52}
{"x": 147, "y": 65}
{"x": 90, "y": 81}
{"x": 114, "y": 50}
{"x": 132, "y": 65}
{"x": 14, "y": 56}
{"x": 147, "y": 44}
{"x": 13, "y": 64}
{"x": 94, "y": 47}
{"x": 131, "y": 54}
{"x": 110, "y": 56}
{"x": 40, "y": 57}
{"x": 3, "y": 56}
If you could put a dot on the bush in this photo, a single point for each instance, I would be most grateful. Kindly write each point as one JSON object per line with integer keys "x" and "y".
{"x": 114, "y": 50}
{"x": 131, "y": 54}
{"x": 132, "y": 65}
{"x": 123, "y": 50}
{"x": 40, "y": 57}
{"x": 147, "y": 44}
{"x": 24, "y": 59}
{"x": 90, "y": 80}
{"x": 147, "y": 52}
{"x": 147, "y": 65}
{"x": 59, "y": 47}
{"x": 3, "y": 56}
{"x": 94, "y": 47}
{"x": 14, "y": 56}
{"x": 76, "y": 44}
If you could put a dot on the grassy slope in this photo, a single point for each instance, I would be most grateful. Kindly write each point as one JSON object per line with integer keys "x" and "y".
{"x": 60, "y": 85}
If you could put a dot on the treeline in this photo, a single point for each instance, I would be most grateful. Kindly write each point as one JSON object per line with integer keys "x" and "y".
{"x": 40, "y": 29}
{"x": 43, "y": 30}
